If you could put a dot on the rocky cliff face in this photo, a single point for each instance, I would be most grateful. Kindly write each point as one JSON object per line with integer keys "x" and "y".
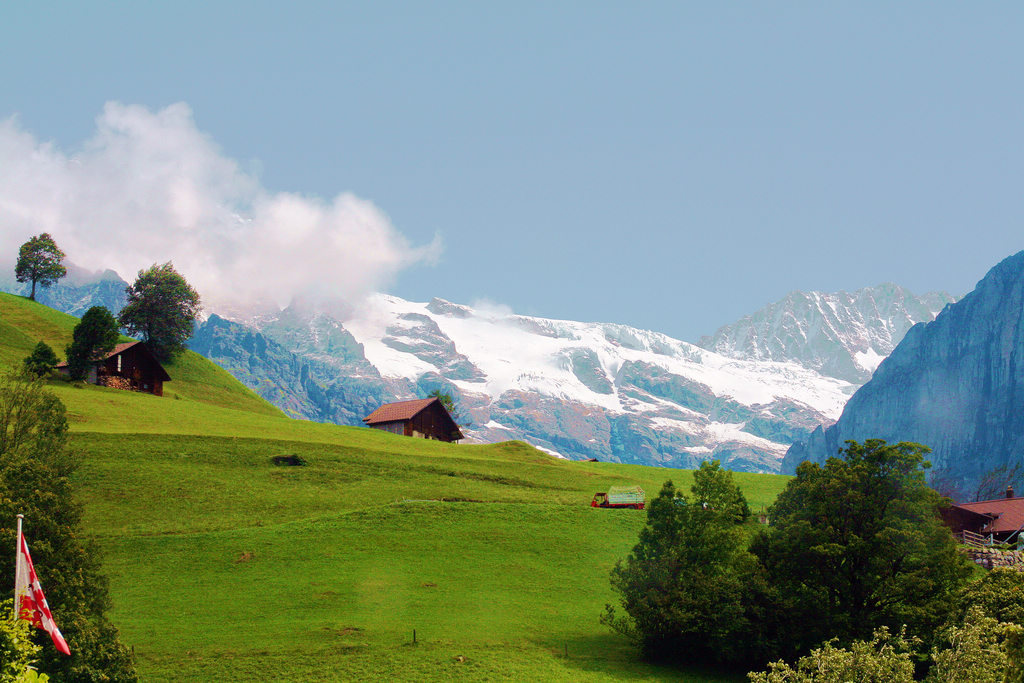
{"x": 843, "y": 335}
{"x": 955, "y": 385}
{"x": 343, "y": 389}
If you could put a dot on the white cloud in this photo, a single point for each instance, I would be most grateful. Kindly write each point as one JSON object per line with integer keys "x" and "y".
{"x": 485, "y": 308}
{"x": 149, "y": 187}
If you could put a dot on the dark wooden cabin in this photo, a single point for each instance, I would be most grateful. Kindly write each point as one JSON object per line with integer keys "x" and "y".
{"x": 999, "y": 519}
{"x": 130, "y": 366}
{"x": 425, "y": 418}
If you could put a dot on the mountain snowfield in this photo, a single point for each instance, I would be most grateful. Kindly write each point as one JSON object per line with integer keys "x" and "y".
{"x": 585, "y": 389}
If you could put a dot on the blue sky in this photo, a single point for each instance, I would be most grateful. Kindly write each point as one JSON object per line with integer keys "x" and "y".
{"x": 672, "y": 166}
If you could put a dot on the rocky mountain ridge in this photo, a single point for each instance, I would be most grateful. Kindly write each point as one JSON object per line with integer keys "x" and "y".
{"x": 955, "y": 384}
{"x": 842, "y": 334}
{"x": 575, "y": 389}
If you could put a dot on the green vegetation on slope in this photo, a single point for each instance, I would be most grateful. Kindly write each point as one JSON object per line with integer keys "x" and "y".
{"x": 322, "y": 572}
{"x": 24, "y": 323}
{"x": 224, "y": 566}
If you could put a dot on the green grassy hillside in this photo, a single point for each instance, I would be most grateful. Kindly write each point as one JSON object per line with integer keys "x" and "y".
{"x": 224, "y": 566}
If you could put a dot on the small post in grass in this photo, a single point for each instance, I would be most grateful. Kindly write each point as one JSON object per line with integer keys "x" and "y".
{"x": 414, "y": 636}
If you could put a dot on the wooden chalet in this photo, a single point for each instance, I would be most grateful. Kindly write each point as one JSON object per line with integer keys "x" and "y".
{"x": 425, "y": 418}
{"x": 998, "y": 520}
{"x": 130, "y": 366}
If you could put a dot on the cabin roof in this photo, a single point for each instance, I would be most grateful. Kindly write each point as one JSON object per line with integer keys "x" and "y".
{"x": 399, "y": 411}
{"x": 1007, "y": 513}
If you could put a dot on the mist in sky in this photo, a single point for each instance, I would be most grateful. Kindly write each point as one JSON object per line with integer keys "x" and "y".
{"x": 149, "y": 187}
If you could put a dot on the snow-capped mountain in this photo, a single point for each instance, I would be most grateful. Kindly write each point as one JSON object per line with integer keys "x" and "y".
{"x": 575, "y": 389}
{"x": 843, "y": 335}
{"x": 578, "y": 390}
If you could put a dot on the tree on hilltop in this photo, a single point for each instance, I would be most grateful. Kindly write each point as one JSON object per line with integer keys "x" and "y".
{"x": 39, "y": 261}
{"x": 162, "y": 307}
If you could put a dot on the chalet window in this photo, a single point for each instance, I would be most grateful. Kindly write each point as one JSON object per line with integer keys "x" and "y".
{"x": 119, "y": 363}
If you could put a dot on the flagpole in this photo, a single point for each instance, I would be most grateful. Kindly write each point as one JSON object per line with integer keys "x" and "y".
{"x": 17, "y": 568}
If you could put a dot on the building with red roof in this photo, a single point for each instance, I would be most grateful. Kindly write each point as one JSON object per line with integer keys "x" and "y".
{"x": 1000, "y": 518}
{"x": 425, "y": 418}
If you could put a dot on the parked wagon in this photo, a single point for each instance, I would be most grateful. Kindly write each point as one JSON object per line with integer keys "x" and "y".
{"x": 620, "y": 497}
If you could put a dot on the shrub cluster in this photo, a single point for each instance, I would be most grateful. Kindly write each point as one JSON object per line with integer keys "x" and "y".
{"x": 855, "y": 551}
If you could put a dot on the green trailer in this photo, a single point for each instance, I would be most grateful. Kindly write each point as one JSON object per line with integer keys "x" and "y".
{"x": 619, "y": 497}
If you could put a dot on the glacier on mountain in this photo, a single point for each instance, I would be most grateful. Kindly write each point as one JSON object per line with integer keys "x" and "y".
{"x": 573, "y": 389}
{"x": 576, "y": 389}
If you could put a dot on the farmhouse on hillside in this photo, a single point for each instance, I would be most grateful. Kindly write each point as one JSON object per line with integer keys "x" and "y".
{"x": 130, "y": 366}
{"x": 999, "y": 519}
{"x": 425, "y": 418}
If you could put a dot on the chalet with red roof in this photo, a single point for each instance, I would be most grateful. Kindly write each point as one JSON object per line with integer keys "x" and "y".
{"x": 425, "y": 418}
{"x": 1001, "y": 519}
{"x": 130, "y": 366}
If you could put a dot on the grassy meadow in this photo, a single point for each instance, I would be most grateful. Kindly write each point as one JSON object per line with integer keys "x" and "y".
{"x": 224, "y": 566}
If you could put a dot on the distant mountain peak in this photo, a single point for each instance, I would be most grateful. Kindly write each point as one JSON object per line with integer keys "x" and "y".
{"x": 954, "y": 384}
{"x": 841, "y": 334}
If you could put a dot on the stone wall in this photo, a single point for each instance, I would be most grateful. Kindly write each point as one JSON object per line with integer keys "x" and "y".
{"x": 990, "y": 558}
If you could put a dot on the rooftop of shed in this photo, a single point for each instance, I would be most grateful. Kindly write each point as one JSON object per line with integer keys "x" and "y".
{"x": 398, "y": 411}
{"x": 1008, "y": 513}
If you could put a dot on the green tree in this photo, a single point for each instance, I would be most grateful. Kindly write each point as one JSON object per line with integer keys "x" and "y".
{"x": 93, "y": 337}
{"x": 882, "y": 659}
{"x": 41, "y": 361}
{"x": 17, "y": 650}
{"x": 999, "y": 594}
{"x": 162, "y": 307}
{"x": 978, "y": 650}
{"x": 684, "y": 586}
{"x": 857, "y": 544}
{"x": 35, "y": 471}
{"x": 39, "y": 261}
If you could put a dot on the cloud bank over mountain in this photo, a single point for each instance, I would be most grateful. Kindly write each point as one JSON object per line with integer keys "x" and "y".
{"x": 150, "y": 187}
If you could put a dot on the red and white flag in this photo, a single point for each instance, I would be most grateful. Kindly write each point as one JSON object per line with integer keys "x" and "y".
{"x": 29, "y": 599}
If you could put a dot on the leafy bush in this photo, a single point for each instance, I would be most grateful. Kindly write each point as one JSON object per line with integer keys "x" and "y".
{"x": 882, "y": 659}
{"x": 17, "y": 651}
{"x": 41, "y": 361}
{"x": 999, "y": 594}
{"x": 979, "y": 650}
